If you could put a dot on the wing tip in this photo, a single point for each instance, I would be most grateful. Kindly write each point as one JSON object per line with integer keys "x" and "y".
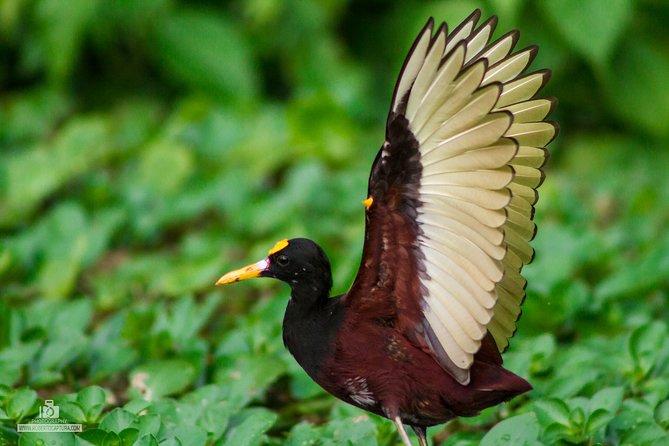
{"x": 534, "y": 50}
{"x": 474, "y": 17}
{"x": 546, "y": 73}
{"x": 427, "y": 28}
{"x": 443, "y": 28}
{"x": 556, "y": 126}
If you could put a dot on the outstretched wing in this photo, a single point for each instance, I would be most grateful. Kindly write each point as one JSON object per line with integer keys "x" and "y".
{"x": 454, "y": 188}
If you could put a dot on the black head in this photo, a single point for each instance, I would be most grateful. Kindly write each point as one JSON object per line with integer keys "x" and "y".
{"x": 299, "y": 262}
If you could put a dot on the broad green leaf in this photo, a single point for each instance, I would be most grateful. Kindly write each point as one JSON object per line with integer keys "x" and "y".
{"x": 92, "y": 400}
{"x": 205, "y": 50}
{"x": 249, "y": 376}
{"x": 597, "y": 419}
{"x": 33, "y": 114}
{"x": 589, "y": 26}
{"x": 147, "y": 440}
{"x": 552, "y": 410}
{"x": 71, "y": 317}
{"x": 137, "y": 405}
{"x": 128, "y": 436}
{"x": 556, "y": 432}
{"x": 577, "y": 418}
{"x": 185, "y": 318}
{"x": 608, "y": 399}
{"x": 568, "y": 383}
{"x": 158, "y": 158}
{"x": 354, "y": 430}
{"x": 187, "y": 436}
{"x": 147, "y": 424}
{"x": 62, "y": 31}
{"x": 21, "y": 403}
{"x": 635, "y": 87}
{"x": 304, "y": 434}
{"x": 112, "y": 439}
{"x": 31, "y": 175}
{"x": 662, "y": 414}
{"x": 13, "y": 358}
{"x": 645, "y": 434}
{"x": 117, "y": 420}
{"x": 521, "y": 430}
{"x": 210, "y": 407}
{"x": 250, "y": 428}
{"x": 47, "y": 439}
{"x": 653, "y": 266}
{"x": 94, "y": 436}
{"x": 645, "y": 345}
{"x": 57, "y": 354}
{"x": 72, "y": 412}
{"x": 160, "y": 378}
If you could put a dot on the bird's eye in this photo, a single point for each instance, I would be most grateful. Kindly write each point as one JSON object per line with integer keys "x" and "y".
{"x": 282, "y": 260}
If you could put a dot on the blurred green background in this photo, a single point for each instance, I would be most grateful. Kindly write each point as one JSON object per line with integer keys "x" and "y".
{"x": 146, "y": 147}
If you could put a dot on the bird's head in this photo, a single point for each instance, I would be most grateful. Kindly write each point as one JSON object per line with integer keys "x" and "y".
{"x": 299, "y": 262}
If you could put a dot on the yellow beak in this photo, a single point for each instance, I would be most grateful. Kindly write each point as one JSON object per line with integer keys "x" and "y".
{"x": 247, "y": 272}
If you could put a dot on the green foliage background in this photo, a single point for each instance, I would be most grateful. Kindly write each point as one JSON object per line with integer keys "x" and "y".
{"x": 146, "y": 147}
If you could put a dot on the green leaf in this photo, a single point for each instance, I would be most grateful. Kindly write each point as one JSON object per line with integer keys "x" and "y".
{"x": 21, "y": 403}
{"x": 662, "y": 414}
{"x": 597, "y": 419}
{"x": 112, "y": 439}
{"x": 609, "y": 399}
{"x": 552, "y": 410}
{"x": 34, "y": 174}
{"x": 187, "y": 436}
{"x": 249, "y": 376}
{"x": 251, "y": 428}
{"x": 205, "y": 50}
{"x": 72, "y": 411}
{"x": 128, "y": 436}
{"x": 359, "y": 429}
{"x": 636, "y": 86}
{"x": 117, "y": 420}
{"x": 161, "y": 378}
{"x": 577, "y": 418}
{"x": 555, "y": 432}
{"x": 62, "y": 27}
{"x": 567, "y": 383}
{"x": 94, "y": 436}
{"x": 522, "y": 430}
{"x": 653, "y": 266}
{"x": 304, "y": 434}
{"x": 210, "y": 407}
{"x": 147, "y": 440}
{"x": 137, "y": 405}
{"x": 185, "y": 318}
{"x": 93, "y": 401}
{"x": 13, "y": 358}
{"x": 588, "y": 27}
{"x": 159, "y": 157}
{"x": 644, "y": 433}
{"x": 645, "y": 345}
{"x": 147, "y": 424}
{"x": 47, "y": 438}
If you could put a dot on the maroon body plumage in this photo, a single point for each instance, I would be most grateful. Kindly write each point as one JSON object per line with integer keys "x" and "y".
{"x": 451, "y": 195}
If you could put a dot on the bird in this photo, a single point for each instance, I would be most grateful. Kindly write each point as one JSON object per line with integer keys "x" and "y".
{"x": 449, "y": 216}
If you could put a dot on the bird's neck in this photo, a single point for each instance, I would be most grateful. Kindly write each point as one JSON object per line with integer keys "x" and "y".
{"x": 310, "y": 326}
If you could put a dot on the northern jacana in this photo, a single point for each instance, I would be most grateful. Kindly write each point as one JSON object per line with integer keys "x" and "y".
{"x": 419, "y": 335}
